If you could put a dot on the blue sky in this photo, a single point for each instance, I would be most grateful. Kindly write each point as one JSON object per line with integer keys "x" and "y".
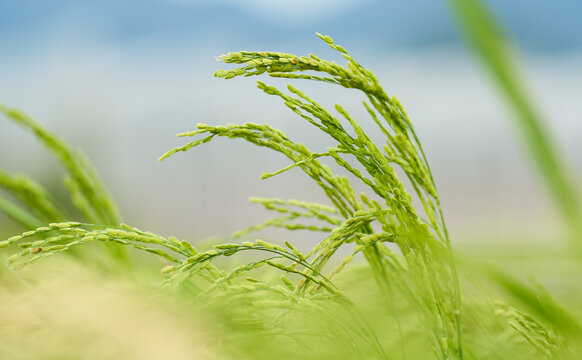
{"x": 539, "y": 26}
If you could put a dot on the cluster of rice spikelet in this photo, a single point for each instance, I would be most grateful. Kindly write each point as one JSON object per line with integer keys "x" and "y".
{"x": 422, "y": 239}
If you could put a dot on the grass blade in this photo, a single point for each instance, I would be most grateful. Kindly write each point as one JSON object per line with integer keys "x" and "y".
{"x": 493, "y": 45}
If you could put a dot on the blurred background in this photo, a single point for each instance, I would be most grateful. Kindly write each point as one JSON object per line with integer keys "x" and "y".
{"x": 120, "y": 78}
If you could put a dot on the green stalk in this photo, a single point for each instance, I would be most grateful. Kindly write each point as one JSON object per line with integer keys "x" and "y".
{"x": 493, "y": 46}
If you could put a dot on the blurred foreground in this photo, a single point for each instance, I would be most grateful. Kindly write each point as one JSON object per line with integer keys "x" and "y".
{"x": 61, "y": 309}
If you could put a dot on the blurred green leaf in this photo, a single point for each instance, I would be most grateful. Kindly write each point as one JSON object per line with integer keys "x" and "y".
{"x": 492, "y": 44}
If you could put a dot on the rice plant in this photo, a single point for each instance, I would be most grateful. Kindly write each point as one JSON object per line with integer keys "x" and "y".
{"x": 292, "y": 303}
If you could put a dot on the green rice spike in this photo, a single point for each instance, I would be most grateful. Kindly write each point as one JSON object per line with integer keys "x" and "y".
{"x": 76, "y": 164}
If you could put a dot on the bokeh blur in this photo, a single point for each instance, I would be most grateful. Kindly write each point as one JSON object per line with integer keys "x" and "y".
{"x": 120, "y": 78}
